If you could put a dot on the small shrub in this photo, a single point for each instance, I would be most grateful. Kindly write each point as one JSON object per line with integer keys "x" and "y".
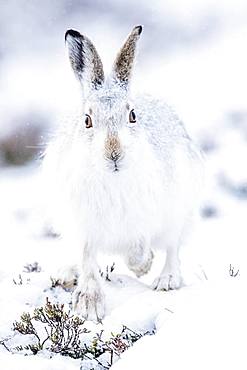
{"x": 63, "y": 335}
{"x": 20, "y": 281}
{"x": 32, "y": 267}
{"x": 62, "y": 330}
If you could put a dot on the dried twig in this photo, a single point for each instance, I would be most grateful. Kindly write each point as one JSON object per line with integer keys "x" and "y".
{"x": 107, "y": 273}
{"x": 232, "y": 271}
{"x": 2, "y": 342}
{"x": 167, "y": 309}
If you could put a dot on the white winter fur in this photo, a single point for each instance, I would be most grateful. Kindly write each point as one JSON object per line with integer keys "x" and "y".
{"x": 147, "y": 204}
{"x": 149, "y": 196}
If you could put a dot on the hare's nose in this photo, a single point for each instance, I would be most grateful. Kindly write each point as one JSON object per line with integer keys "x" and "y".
{"x": 115, "y": 156}
{"x": 112, "y": 148}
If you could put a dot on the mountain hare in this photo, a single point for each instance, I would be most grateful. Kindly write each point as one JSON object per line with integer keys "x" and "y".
{"x": 126, "y": 172}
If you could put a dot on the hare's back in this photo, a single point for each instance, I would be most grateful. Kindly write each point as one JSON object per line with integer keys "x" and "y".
{"x": 161, "y": 124}
{"x": 176, "y": 152}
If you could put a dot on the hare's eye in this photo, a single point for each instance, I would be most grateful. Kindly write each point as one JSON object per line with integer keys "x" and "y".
{"x": 132, "y": 116}
{"x": 88, "y": 121}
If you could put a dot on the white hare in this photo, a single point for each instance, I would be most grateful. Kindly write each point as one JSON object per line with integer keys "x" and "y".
{"x": 126, "y": 172}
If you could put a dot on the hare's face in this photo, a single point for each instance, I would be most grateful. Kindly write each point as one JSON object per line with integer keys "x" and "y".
{"x": 110, "y": 123}
{"x": 109, "y": 117}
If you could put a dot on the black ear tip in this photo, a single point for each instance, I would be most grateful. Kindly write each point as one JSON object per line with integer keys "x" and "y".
{"x": 72, "y": 33}
{"x": 139, "y": 29}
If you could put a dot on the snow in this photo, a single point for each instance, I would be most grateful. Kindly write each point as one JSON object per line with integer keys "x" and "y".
{"x": 202, "y": 325}
{"x": 19, "y": 362}
{"x": 205, "y": 331}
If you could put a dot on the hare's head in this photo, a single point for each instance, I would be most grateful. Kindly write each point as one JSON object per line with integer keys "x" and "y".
{"x": 109, "y": 118}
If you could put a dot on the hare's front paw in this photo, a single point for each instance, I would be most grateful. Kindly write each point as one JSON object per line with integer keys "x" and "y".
{"x": 167, "y": 281}
{"x": 89, "y": 300}
{"x": 140, "y": 264}
{"x": 66, "y": 276}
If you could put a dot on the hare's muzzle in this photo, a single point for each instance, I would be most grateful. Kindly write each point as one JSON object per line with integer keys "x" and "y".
{"x": 113, "y": 151}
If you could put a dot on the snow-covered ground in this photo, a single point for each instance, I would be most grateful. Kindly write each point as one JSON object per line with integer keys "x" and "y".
{"x": 202, "y": 325}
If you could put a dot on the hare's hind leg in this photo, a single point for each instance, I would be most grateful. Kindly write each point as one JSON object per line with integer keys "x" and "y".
{"x": 88, "y": 297}
{"x": 139, "y": 258}
{"x": 170, "y": 277}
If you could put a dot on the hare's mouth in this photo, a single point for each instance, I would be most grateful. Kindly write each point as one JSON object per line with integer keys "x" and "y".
{"x": 113, "y": 165}
{"x": 114, "y": 162}
{"x": 116, "y": 168}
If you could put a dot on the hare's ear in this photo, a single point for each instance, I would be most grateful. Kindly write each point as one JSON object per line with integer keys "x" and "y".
{"x": 84, "y": 59}
{"x": 124, "y": 62}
